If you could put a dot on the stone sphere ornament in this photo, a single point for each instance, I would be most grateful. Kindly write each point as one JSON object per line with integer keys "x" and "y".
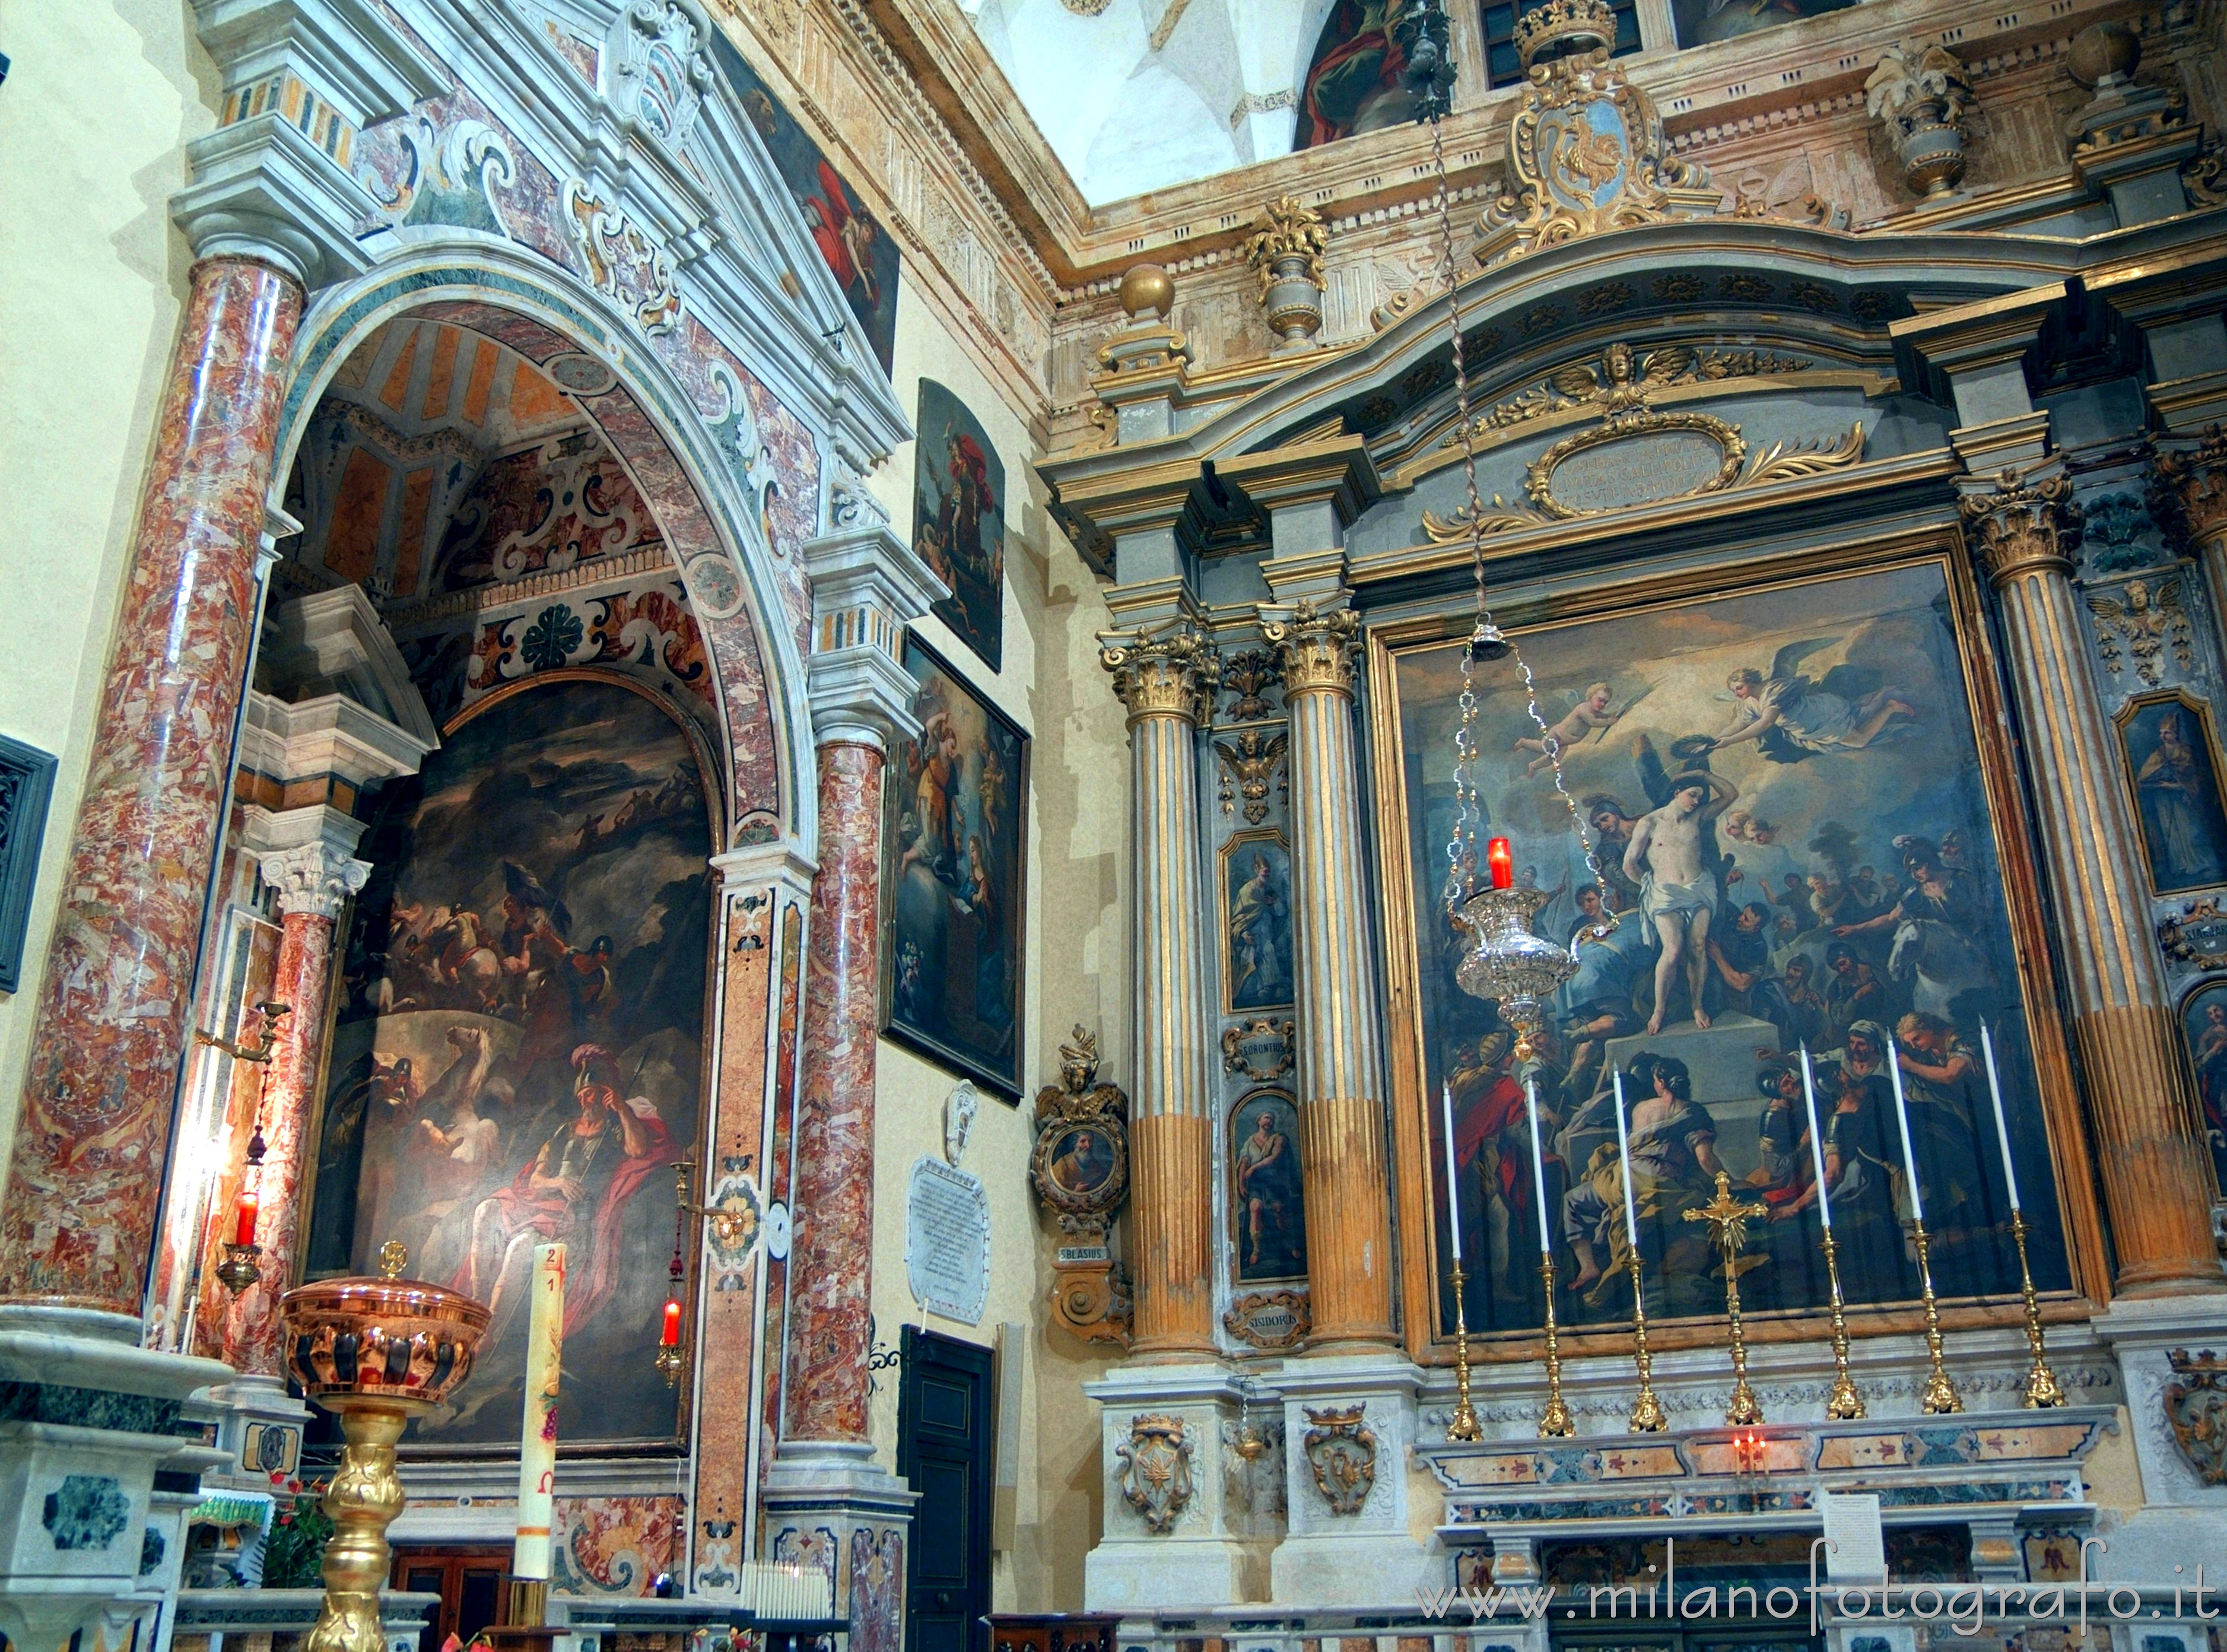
{"x": 2104, "y": 55}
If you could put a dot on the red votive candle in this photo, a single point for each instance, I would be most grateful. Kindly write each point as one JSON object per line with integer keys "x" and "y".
{"x": 672, "y": 1335}
{"x": 242, "y": 1218}
{"x": 1501, "y": 860}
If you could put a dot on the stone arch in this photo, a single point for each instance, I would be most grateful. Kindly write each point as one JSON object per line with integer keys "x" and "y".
{"x": 671, "y": 451}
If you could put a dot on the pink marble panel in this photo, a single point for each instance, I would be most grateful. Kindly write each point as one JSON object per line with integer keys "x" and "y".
{"x": 112, "y": 1020}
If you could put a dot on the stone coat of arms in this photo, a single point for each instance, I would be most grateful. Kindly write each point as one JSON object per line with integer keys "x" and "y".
{"x": 1155, "y": 1476}
{"x": 1341, "y": 1449}
{"x": 2196, "y": 1411}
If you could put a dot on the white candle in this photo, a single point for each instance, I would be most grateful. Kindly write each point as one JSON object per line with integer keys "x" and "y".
{"x": 1623, "y": 1169}
{"x": 537, "y": 1451}
{"x": 2002, "y": 1130}
{"x": 1816, "y": 1142}
{"x": 1538, "y": 1164}
{"x": 1902, "y": 1118}
{"x": 1454, "y": 1180}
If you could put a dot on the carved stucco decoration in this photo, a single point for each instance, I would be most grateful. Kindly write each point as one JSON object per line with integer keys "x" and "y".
{"x": 1663, "y": 449}
{"x": 1261, "y": 1049}
{"x": 1271, "y": 1321}
{"x": 2192, "y": 481}
{"x": 2024, "y": 525}
{"x": 1253, "y": 759}
{"x": 2196, "y": 1410}
{"x": 2139, "y": 621}
{"x": 1160, "y": 672}
{"x": 1156, "y": 1477}
{"x": 622, "y": 261}
{"x": 1245, "y": 674}
{"x": 1620, "y": 378}
{"x": 2196, "y": 935}
{"x": 1920, "y": 93}
{"x": 1341, "y": 1448}
{"x": 1083, "y": 1184}
{"x": 1585, "y": 147}
{"x": 660, "y": 70}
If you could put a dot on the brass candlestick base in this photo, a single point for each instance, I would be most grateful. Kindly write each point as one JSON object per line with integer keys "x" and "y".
{"x": 1844, "y": 1404}
{"x": 1465, "y": 1424}
{"x": 1728, "y": 1218}
{"x": 1553, "y": 1422}
{"x": 2043, "y": 1390}
{"x": 364, "y": 1498}
{"x": 1940, "y": 1395}
{"x": 1647, "y": 1415}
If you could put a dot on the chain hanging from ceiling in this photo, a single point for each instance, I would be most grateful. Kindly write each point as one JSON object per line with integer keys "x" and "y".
{"x": 1504, "y": 961}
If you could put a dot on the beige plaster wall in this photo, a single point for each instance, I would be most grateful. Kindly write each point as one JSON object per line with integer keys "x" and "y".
{"x": 101, "y": 97}
{"x": 1052, "y": 685}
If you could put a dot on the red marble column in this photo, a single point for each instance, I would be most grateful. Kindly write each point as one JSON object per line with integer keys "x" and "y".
{"x": 314, "y": 882}
{"x": 831, "y": 1260}
{"x": 82, "y": 1199}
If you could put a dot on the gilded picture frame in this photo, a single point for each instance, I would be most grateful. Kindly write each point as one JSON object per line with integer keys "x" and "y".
{"x": 2167, "y": 820}
{"x": 1429, "y": 1339}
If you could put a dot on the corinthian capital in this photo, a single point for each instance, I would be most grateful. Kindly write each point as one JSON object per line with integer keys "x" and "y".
{"x": 1170, "y": 675}
{"x": 313, "y": 879}
{"x": 2194, "y": 482}
{"x": 1316, "y": 650}
{"x": 2025, "y": 524}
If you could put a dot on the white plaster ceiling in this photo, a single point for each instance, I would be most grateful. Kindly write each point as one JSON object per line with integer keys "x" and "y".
{"x": 1147, "y": 94}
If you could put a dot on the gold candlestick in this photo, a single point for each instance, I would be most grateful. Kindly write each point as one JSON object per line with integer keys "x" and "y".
{"x": 1465, "y": 1424}
{"x": 1940, "y": 1395}
{"x": 1728, "y": 1218}
{"x": 2043, "y": 1390}
{"x": 1844, "y": 1404}
{"x": 1647, "y": 1416}
{"x": 1553, "y": 1422}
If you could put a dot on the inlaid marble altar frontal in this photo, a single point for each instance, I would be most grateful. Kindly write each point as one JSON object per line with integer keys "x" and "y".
{"x": 1803, "y": 844}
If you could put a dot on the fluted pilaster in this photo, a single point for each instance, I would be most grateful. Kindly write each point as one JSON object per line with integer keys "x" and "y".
{"x": 2191, "y": 485}
{"x": 1165, "y": 681}
{"x": 1342, "y": 1151}
{"x": 2140, "y": 1093}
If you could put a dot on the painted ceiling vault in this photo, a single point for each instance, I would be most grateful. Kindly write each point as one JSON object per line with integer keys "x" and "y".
{"x": 1137, "y": 95}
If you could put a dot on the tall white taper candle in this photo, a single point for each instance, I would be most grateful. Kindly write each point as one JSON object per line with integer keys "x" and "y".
{"x": 1538, "y": 1163}
{"x": 1816, "y": 1142}
{"x": 1623, "y": 1174}
{"x": 1454, "y": 1180}
{"x": 537, "y": 1450}
{"x": 2002, "y": 1130}
{"x": 1902, "y": 1118}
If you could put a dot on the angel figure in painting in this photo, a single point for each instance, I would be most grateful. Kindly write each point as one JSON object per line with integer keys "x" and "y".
{"x": 1591, "y": 712}
{"x": 1678, "y": 894}
{"x": 1789, "y": 716}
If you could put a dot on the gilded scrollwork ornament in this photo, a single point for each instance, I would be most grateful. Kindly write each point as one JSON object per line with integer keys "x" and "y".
{"x": 2024, "y": 525}
{"x": 2191, "y": 485}
{"x": 1162, "y": 673}
{"x": 1920, "y": 94}
{"x": 1252, "y": 757}
{"x": 1285, "y": 251}
{"x": 1156, "y": 1474}
{"x": 2196, "y": 935}
{"x": 1315, "y": 647}
{"x": 1341, "y": 1448}
{"x": 1080, "y": 1168}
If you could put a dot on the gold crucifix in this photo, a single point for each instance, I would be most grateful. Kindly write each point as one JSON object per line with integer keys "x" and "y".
{"x": 1728, "y": 1218}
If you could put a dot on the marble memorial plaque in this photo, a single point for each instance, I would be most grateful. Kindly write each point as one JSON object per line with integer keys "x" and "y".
{"x": 947, "y": 1240}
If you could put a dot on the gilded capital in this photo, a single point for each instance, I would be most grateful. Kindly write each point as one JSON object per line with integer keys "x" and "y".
{"x": 2024, "y": 526}
{"x": 1315, "y": 650}
{"x": 1172, "y": 674}
{"x": 2194, "y": 480}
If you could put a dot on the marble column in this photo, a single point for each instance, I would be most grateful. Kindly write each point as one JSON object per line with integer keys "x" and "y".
{"x": 2193, "y": 481}
{"x": 2140, "y": 1097}
{"x": 1165, "y": 681}
{"x": 831, "y": 1262}
{"x": 77, "y": 1221}
{"x": 315, "y": 882}
{"x": 1342, "y": 1147}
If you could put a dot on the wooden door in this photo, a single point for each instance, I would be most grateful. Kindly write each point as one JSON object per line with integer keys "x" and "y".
{"x": 474, "y": 1587}
{"x": 945, "y": 1406}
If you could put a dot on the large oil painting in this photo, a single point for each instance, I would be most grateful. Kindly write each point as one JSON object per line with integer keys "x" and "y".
{"x": 1353, "y": 81}
{"x": 1795, "y": 849}
{"x": 952, "y": 934}
{"x": 859, "y": 251}
{"x": 2172, "y": 762}
{"x": 518, "y": 1058}
{"x": 1702, "y": 22}
{"x": 959, "y": 520}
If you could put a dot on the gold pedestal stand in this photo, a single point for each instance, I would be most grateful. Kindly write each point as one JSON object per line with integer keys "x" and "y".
{"x": 375, "y": 1352}
{"x": 1465, "y": 1424}
{"x": 1728, "y": 1218}
{"x": 1940, "y": 1395}
{"x": 1647, "y": 1416}
{"x": 1844, "y": 1404}
{"x": 1555, "y": 1422}
{"x": 2043, "y": 1390}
